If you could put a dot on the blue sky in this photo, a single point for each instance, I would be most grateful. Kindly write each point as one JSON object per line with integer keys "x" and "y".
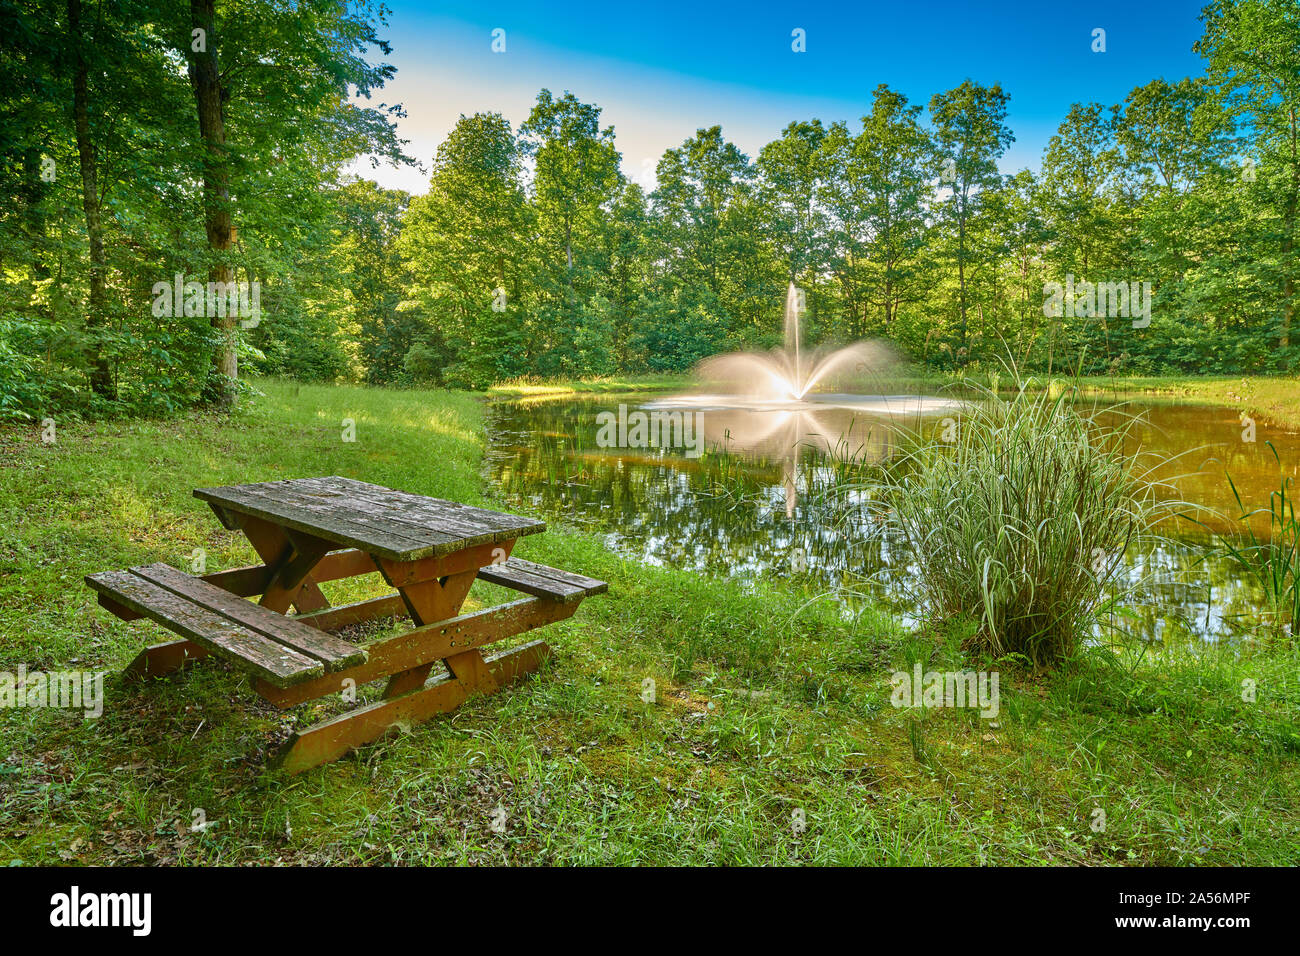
{"x": 660, "y": 71}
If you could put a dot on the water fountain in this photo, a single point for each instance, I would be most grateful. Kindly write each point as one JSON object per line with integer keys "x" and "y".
{"x": 786, "y": 378}
{"x": 769, "y": 404}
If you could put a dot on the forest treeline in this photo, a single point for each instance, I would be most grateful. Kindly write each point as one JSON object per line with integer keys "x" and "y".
{"x": 532, "y": 253}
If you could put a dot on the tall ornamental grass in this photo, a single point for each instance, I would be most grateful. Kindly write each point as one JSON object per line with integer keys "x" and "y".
{"x": 1021, "y": 520}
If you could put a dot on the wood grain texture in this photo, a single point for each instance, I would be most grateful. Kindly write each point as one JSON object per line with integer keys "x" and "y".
{"x": 425, "y": 645}
{"x": 380, "y": 521}
{"x": 530, "y": 578}
{"x": 274, "y": 662}
{"x": 287, "y": 563}
{"x": 252, "y": 579}
{"x": 331, "y": 651}
{"x": 332, "y": 738}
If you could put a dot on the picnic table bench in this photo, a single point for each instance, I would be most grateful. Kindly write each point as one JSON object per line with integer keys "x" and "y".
{"x": 310, "y": 531}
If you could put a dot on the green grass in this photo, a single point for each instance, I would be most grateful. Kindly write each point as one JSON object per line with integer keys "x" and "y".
{"x": 540, "y": 389}
{"x": 1277, "y": 399}
{"x": 767, "y": 701}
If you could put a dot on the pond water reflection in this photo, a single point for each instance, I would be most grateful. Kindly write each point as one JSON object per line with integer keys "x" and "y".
{"x": 783, "y": 493}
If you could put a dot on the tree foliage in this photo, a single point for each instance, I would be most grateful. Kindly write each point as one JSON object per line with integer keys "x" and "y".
{"x": 134, "y": 150}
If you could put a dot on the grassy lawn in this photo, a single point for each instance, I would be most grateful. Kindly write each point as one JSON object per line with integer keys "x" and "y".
{"x": 769, "y": 704}
{"x": 1277, "y": 399}
{"x": 528, "y": 388}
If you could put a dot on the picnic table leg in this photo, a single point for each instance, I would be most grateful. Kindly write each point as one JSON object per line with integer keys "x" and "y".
{"x": 292, "y": 557}
{"x": 431, "y": 596}
{"x": 332, "y": 738}
{"x": 472, "y": 670}
{"x": 408, "y": 697}
{"x": 436, "y": 599}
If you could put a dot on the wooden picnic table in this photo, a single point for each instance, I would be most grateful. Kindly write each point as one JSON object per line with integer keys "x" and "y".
{"x": 310, "y": 531}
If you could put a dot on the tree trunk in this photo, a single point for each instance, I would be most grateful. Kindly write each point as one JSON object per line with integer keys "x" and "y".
{"x": 209, "y": 96}
{"x": 101, "y": 376}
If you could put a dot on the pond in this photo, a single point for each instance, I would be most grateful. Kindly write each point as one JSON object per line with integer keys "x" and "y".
{"x": 771, "y": 496}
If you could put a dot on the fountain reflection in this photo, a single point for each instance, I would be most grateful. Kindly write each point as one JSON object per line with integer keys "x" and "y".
{"x": 862, "y": 429}
{"x": 763, "y": 404}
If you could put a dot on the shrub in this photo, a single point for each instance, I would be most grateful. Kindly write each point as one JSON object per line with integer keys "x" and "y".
{"x": 424, "y": 363}
{"x": 1020, "y": 521}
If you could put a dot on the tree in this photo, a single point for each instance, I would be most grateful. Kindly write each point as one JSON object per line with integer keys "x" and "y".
{"x": 101, "y": 377}
{"x": 365, "y": 243}
{"x": 628, "y": 270}
{"x": 791, "y": 177}
{"x": 971, "y": 135}
{"x": 1079, "y": 166}
{"x": 210, "y": 94}
{"x": 877, "y": 185}
{"x": 466, "y": 244}
{"x": 274, "y": 108}
{"x": 576, "y": 166}
{"x": 1252, "y": 49}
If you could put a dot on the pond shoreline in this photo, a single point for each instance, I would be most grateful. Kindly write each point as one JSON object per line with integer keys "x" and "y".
{"x": 1273, "y": 397}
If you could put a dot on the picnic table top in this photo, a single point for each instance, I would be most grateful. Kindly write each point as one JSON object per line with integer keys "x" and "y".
{"x": 378, "y": 520}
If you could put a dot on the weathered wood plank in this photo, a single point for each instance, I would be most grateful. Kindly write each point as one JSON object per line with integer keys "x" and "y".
{"x": 336, "y": 514}
{"x": 289, "y": 562}
{"x": 323, "y": 522}
{"x": 483, "y": 518}
{"x": 543, "y": 581}
{"x": 437, "y": 600}
{"x": 378, "y": 520}
{"x": 389, "y": 514}
{"x": 332, "y": 738}
{"x": 470, "y": 669}
{"x": 331, "y": 651}
{"x": 438, "y": 513}
{"x": 251, "y": 580}
{"x": 343, "y": 564}
{"x": 425, "y": 645}
{"x": 520, "y": 580}
{"x": 590, "y": 585}
{"x": 269, "y": 660}
{"x": 402, "y": 574}
{"x": 447, "y": 534}
{"x": 245, "y": 582}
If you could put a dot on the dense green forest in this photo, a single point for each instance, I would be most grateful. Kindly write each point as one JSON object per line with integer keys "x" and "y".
{"x": 147, "y": 144}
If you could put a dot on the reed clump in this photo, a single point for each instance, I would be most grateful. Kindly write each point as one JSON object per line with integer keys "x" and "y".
{"x": 1018, "y": 511}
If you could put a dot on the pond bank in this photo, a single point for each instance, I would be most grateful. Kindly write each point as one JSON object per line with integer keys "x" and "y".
{"x": 1276, "y": 398}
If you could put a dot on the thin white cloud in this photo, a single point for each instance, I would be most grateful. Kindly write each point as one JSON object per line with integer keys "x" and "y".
{"x": 651, "y": 109}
